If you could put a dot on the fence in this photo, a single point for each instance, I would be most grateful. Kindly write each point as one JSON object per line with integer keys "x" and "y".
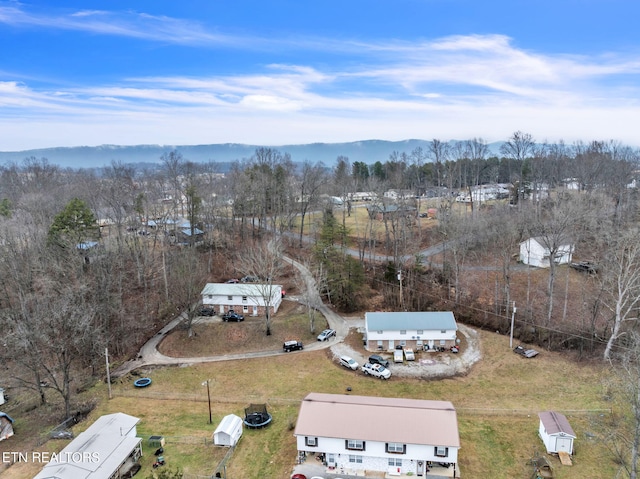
{"x": 528, "y": 412}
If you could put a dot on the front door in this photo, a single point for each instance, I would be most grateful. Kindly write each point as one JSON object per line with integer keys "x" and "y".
{"x": 421, "y": 467}
{"x": 563, "y": 444}
{"x": 392, "y": 344}
{"x": 222, "y": 309}
{"x": 255, "y": 310}
{"x": 331, "y": 460}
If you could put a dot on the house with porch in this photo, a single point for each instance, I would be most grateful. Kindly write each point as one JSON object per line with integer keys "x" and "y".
{"x": 108, "y": 449}
{"x": 394, "y": 436}
{"x": 421, "y": 330}
{"x": 246, "y": 298}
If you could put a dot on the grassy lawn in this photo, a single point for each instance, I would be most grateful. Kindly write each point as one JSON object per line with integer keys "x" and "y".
{"x": 497, "y": 403}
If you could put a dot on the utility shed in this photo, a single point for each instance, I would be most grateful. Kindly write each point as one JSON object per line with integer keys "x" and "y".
{"x": 556, "y": 432}
{"x": 229, "y": 431}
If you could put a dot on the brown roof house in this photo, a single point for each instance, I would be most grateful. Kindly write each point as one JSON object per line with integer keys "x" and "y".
{"x": 394, "y": 436}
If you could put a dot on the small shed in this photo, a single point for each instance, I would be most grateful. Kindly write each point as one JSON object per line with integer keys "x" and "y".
{"x": 6, "y": 426}
{"x": 556, "y": 432}
{"x": 229, "y": 431}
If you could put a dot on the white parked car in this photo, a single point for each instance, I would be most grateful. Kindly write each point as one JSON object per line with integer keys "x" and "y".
{"x": 348, "y": 362}
{"x": 326, "y": 334}
{"x": 376, "y": 370}
{"x": 397, "y": 356}
{"x": 409, "y": 355}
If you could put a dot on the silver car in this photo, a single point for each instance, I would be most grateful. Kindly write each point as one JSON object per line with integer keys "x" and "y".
{"x": 326, "y": 334}
{"x": 348, "y": 362}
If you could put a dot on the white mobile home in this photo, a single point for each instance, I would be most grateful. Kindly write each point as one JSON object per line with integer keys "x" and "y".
{"x": 229, "y": 431}
{"x": 534, "y": 253}
{"x": 556, "y": 432}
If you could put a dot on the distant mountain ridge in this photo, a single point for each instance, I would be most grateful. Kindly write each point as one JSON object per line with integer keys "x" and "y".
{"x": 367, "y": 151}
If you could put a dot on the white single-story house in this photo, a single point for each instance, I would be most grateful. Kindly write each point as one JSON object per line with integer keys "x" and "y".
{"x": 6, "y": 426}
{"x": 229, "y": 431}
{"x": 246, "y": 298}
{"x": 422, "y": 330}
{"x": 556, "y": 432}
{"x": 534, "y": 253}
{"x": 353, "y": 434}
{"x": 108, "y": 449}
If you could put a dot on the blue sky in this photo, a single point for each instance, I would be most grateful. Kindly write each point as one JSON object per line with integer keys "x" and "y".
{"x": 291, "y": 71}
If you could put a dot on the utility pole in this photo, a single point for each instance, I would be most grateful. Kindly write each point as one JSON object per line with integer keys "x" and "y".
{"x": 513, "y": 314}
{"x": 209, "y": 399}
{"x": 106, "y": 357}
{"x": 401, "y": 296}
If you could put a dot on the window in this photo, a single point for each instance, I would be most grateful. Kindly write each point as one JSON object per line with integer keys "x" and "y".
{"x": 403, "y": 331}
{"x": 441, "y": 451}
{"x": 420, "y": 332}
{"x": 442, "y": 342}
{"x": 403, "y": 343}
{"x": 210, "y": 296}
{"x": 311, "y": 441}
{"x": 244, "y": 299}
{"x": 396, "y": 448}
{"x": 443, "y": 331}
{"x": 245, "y": 308}
{"x": 354, "y": 444}
{"x": 355, "y": 459}
{"x": 395, "y": 462}
{"x": 229, "y": 298}
{"x": 379, "y": 332}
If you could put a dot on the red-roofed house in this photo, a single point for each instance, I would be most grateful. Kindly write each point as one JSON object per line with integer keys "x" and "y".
{"x": 390, "y": 435}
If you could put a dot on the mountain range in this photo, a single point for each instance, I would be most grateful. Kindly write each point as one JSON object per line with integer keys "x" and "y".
{"x": 368, "y": 151}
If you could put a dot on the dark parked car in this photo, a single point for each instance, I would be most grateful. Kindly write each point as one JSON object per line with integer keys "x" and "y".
{"x": 289, "y": 346}
{"x": 376, "y": 359}
{"x": 249, "y": 279}
{"x": 527, "y": 353}
{"x": 231, "y": 315}
{"x": 585, "y": 266}
{"x": 206, "y": 312}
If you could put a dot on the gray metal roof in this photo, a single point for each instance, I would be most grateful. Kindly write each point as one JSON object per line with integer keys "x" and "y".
{"x": 240, "y": 289}
{"x": 408, "y": 421}
{"x": 426, "y": 320}
{"x": 97, "y": 452}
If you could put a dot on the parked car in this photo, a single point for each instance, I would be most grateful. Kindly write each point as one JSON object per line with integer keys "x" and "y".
{"x": 376, "y": 359}
{"x": 206, "y": 312}
{"x": 232, "y": 281}
{"x": 292, "y": 345}
{"x": 409, "y": 355}
{"x": 585, "y": 266}
{"x": 326, "y": 334}
{"x": 348, "y": 362}
{"x": 231, "y": 315}
{"x": 249, "y": 279}
{"x": 527, "y": 353}
{"x": 376, "y": 370}
{"x": 397, "y": 356}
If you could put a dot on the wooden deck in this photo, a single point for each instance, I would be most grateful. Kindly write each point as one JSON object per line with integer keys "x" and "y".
{"x": 565, "y": 458}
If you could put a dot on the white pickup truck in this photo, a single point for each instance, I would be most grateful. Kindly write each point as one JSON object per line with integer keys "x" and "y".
{"x": 376, "y": 370}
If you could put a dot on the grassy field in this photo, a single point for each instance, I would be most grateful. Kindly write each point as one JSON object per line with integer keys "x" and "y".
{"x": 497, "y": 405}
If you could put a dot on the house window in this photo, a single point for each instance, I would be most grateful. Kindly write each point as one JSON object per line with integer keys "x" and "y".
{"x": 379, "y": 332}
{"x": 229, "y": 298}
{"x": 443, "y": 331}
{"x": 442, "y": 342}
{"x": 244, "y": 299}
{"x": 210, "y": 296}
{"x": 311, "y": 441}
{"x": 396, "y": 448}
{"x": 354, "y": 444}
{"x": 403, "y": 343}
{"x": 355, "y": 459}
{"x": 395, "y": 462}
{"x": 420, "y": 332}
{"x": 245, "y": 309}
{"x": 403, "y": 331}
{"x": 441, "y": 451}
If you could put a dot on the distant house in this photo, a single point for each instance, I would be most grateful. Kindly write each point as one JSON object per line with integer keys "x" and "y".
{"x": 248, "y": 298}
{"x": 6, "y": 426}
{"x": 108, "y": 449}
{"x": 229, "y": 431}
{"x": 556, "y": 432}
{"x": 394, "y": 436}
{"x": 416, "y": 330}
{"x": 534, "y": 253}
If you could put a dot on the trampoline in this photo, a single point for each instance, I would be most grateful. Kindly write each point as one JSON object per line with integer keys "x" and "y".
{"x": 256, "y": 416}
{"x": 142, "y": 382}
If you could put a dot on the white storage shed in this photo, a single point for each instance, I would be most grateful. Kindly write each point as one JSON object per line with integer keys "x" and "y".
{"x": 229, "y": 431}
{"x": 556, "y": 432}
